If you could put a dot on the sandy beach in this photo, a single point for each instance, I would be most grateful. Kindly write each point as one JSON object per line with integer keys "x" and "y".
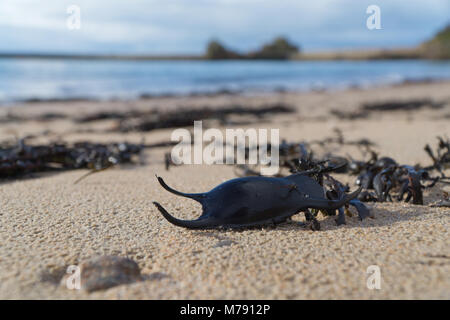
{"x": 48, "y": 222}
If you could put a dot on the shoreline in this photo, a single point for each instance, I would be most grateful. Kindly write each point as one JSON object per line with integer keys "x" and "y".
{"x": 221, "y": 92}
{"x": 356, "y": 55}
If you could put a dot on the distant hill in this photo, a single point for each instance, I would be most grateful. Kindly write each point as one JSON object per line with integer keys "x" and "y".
{"x": 217, "y": 51}
{"x": 439, "y": 46}
{"x": 279, "y": 49}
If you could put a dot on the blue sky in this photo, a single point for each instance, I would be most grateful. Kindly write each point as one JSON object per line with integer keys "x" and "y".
{"x": 177, "y": 26}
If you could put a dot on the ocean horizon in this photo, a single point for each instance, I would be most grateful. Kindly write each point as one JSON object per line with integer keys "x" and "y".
{"x": 65, "y": 79}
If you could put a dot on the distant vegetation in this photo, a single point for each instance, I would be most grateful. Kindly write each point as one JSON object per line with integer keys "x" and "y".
{"x": 439, "y": 46}
{"x": 279, "y": 49}
{"x": 216, "y": 51}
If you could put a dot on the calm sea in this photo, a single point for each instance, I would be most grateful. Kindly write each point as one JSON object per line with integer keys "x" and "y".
{"x": 66, "y": 79}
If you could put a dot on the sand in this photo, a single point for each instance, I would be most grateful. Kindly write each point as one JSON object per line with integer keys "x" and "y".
{"x": 48, "y": 223}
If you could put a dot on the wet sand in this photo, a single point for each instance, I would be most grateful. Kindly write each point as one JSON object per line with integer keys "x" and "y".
{"x": 48, "y": 223}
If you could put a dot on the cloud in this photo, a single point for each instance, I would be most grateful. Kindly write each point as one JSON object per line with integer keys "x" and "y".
{"x": 178, "y": 26}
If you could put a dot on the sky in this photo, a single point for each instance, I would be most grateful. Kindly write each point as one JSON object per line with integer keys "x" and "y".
{"x": 185, "y": 26}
